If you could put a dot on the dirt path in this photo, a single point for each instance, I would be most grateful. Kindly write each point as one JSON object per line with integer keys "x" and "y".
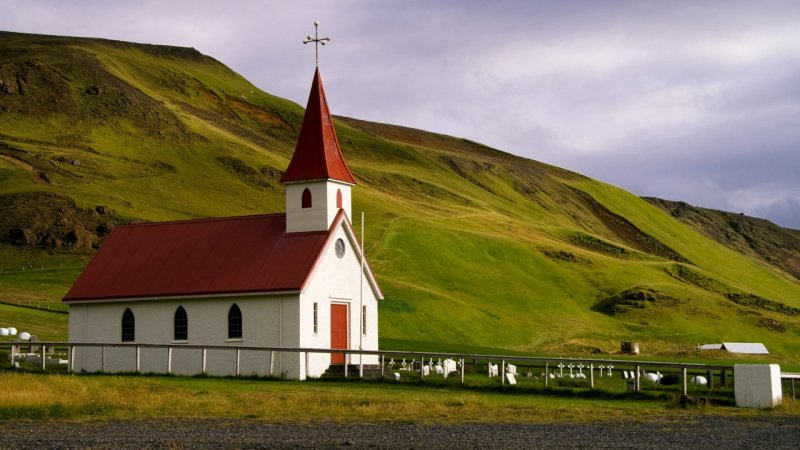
{"x": 35, "y": 174}
{"x": 700, "y": 432}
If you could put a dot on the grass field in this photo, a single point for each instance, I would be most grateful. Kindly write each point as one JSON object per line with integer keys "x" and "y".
{"x": 46, "y": 325}
{"x": 90, "y": 397}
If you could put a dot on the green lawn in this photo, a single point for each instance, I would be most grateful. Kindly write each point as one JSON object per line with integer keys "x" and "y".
{"x": 91, "y": 397}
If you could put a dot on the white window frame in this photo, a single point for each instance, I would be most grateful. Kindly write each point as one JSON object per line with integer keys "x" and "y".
{"x": 316, "y": 318}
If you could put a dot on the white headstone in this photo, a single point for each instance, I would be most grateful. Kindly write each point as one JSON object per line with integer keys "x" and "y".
{"x": 512, "y": 379}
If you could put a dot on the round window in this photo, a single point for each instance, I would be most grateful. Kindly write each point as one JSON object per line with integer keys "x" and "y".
{"x": 339, "y": 248}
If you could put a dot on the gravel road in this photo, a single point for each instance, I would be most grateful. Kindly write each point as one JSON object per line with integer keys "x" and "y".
{"x": 701, "y": 432}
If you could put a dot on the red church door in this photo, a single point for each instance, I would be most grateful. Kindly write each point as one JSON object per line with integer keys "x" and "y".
{"x": 338, "y": 331}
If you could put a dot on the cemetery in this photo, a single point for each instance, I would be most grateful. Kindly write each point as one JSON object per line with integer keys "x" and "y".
{"x": 748, "y": 385}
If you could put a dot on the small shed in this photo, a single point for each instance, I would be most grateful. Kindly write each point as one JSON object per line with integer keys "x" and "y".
{"x": 752, "y": 348}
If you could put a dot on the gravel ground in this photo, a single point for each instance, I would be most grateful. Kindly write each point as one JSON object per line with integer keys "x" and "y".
{"x": 708, "y": 432}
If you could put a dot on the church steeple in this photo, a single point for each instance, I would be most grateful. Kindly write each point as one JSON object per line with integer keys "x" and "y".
{"x": 317, "y": 180}
{"x": 317, "y": 155}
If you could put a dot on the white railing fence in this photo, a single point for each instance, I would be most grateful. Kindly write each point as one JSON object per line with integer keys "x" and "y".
{"x": 423, "y": 364}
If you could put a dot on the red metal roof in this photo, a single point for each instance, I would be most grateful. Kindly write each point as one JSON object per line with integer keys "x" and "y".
{"x": 200, "y": 257}
{"x": 317, "y": 155}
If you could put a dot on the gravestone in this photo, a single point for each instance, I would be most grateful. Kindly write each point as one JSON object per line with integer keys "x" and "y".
{"x": 512, "y": 379}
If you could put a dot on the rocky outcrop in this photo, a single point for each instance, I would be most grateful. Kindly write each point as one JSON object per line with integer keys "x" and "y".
{"x": 47, "y": 220}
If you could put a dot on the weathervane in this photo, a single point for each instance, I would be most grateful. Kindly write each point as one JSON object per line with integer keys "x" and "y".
{"x": 316, "y": 40}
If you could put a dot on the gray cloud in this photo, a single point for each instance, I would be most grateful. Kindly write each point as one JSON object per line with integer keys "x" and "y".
{"x": 696, "y": 101}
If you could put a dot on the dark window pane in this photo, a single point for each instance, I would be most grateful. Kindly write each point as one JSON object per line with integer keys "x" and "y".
{"x": 234, "y": 322}
{"x": 128, "y": 326}
{"x": 181, "y": 324}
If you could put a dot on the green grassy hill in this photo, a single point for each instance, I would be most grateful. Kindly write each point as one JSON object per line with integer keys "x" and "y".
{"x": 472, "y": 246}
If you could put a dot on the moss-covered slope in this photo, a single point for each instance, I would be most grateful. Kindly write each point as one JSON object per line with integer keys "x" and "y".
{"x": 473, "y": 246}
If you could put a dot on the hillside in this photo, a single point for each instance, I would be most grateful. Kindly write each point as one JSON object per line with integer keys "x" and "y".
{"x": 472, "y": 246}
{"x": 751, "y": 236}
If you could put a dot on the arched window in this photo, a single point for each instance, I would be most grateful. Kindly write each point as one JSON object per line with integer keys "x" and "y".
{"x": 128, "y": 326}
{"x": 234, "y": 322}
{"x": 339, "y": 198}
{"x": 181, "y": 324}
{"x": 306, "y": 198}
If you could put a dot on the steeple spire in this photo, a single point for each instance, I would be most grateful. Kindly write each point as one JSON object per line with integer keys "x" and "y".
{"x": 317, "y": 155}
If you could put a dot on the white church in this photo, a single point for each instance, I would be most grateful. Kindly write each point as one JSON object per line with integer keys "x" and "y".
{"x": 293, "y": 279}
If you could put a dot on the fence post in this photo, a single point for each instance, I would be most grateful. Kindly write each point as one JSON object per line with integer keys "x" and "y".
{"x": 44, "y": 357}
{"x": 503, "y": 372}
{"x": 271, "y": 361}
{"x": 203, "y": 370}
{"x": 637, "y": 379}
{"x": 306, "y": 354}
{"x": 685, "y": 381}
{"x": 237, "y": 362}
{"x": 546, "y": 373}
{"x": 724, "y": 378}
{"x": 70, "y": 351}
{"x": 710, "y": 378}
{"x": 383, "y": 364}
{"x": 345, "y": 365}
{"x": 138, "y": 359}
{"x": 169, "y": 360}
{"x": 591, "y": 376}
{"x": 422, "y": 368}
{"x": 102, "y": 358}
{"x": 13, "y": 353}
{"x": 462, "y": 370}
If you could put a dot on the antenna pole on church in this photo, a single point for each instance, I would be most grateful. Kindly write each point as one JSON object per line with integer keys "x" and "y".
{"x": 361, "y": 303}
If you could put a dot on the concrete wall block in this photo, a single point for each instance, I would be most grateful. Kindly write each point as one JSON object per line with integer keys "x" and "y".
{"x": 757, "y": 385}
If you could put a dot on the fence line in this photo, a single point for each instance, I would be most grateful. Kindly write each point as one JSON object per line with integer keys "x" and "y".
{"x": 592, "y": 363}
{"x": 41, "y": 305}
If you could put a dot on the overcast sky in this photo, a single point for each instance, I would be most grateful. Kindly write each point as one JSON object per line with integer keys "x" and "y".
{"x": 686, "y": 100}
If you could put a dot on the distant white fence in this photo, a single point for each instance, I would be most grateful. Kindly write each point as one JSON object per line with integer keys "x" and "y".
{"x": 553, "y": 367}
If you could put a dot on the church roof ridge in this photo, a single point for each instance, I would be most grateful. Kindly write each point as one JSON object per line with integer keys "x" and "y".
{"x": 317, "y": 155}
{"x": 200, "y": 220}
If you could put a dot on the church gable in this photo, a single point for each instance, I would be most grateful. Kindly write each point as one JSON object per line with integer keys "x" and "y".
{"x": 339, "y": 258}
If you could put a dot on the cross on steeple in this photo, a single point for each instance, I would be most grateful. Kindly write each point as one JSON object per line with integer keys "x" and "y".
{"x": 316, "y": 40}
